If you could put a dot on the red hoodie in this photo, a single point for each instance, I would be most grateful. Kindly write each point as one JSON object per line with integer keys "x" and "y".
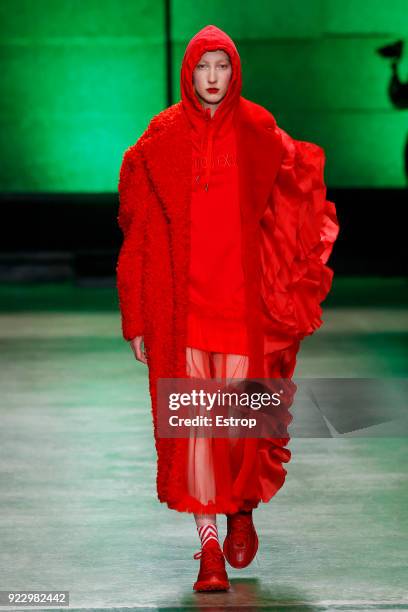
{"x": 217, "y": 299}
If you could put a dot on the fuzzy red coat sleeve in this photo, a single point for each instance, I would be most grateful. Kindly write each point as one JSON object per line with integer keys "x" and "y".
{"x": 133, "y": 197}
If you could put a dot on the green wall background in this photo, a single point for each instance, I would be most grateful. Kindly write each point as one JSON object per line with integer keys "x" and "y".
{"x": 81, "y": 80}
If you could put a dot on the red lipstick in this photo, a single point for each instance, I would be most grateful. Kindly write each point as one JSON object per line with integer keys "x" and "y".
{"x": 212, "y": 90}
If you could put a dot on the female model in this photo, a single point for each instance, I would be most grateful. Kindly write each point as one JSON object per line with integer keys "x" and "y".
{"x": 221, "y": 273}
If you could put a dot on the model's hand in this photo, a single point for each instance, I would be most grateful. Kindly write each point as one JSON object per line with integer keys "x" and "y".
{"x": 136, "y": 345}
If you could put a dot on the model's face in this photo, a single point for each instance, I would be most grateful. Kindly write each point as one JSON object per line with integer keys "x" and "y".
{"x": 211, "y": 77}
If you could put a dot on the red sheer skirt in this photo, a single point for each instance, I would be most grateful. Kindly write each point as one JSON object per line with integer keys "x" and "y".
{"x": 213, "y": 464}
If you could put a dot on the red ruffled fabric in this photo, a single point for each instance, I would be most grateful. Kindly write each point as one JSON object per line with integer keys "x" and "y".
{"x": 294, "y": 250}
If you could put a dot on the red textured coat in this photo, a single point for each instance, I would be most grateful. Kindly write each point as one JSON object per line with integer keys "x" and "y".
{"x": 288, "y": 232}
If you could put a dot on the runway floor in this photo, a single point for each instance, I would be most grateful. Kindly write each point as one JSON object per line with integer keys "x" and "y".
{"x": 77, "y": 470}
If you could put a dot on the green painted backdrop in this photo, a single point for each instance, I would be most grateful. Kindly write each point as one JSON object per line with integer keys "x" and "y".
{"x": 81, "y": 80}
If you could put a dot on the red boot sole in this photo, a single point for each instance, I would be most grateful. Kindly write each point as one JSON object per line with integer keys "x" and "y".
{"x": 211, "y": 585}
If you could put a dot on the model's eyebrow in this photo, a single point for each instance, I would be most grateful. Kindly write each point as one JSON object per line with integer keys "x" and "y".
{"x": 220, "y": 60}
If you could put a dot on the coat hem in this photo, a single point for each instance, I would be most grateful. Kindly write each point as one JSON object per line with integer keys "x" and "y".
{"x": 191, "y": 505}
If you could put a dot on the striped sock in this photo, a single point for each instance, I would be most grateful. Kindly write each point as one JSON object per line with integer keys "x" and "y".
{"x": 208, "y": 534}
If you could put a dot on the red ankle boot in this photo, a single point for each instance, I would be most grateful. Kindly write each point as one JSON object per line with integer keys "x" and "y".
{"x": 212, "y": 575}
{"x": 241, "y": 542}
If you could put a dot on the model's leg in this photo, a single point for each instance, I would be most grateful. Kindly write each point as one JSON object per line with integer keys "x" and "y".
{"x": 230, "y": 366}
{"x": 241, "y": 542}
{"x": 201, "y": 484}
{"x": 200, "y": 461}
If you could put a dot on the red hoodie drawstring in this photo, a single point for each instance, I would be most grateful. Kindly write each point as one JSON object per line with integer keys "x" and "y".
{"x": 210, "y": 137}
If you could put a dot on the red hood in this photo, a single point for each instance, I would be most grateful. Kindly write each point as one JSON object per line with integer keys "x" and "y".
{"x": 209, "y": 38}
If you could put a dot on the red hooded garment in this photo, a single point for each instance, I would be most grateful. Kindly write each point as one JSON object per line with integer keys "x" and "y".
{"x": 175, "y": 296}
{"x": 216, "y": 320}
